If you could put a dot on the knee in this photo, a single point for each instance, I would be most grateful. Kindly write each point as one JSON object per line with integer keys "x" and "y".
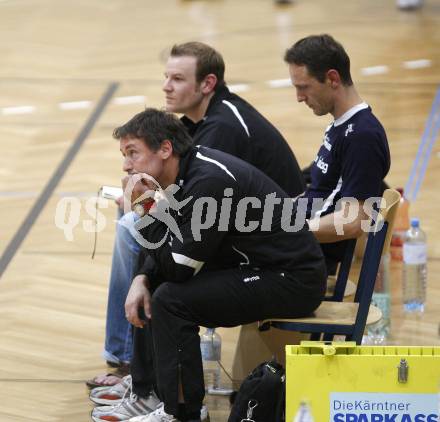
{"x": 124, "y": 229}
{"x": 161, "y": 298}
{"x": 168, "y": 298}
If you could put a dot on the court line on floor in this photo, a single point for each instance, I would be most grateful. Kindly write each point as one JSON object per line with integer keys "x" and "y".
{"x": 75, "y": 105}
{"x": 237, "y": 88}
{"x": 24, "y": 109}
{"x": 40, "y": 203}
{"x": 424, "y": 152}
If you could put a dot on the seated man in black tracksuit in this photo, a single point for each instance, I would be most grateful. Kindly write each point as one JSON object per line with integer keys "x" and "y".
{"x": 217, "y": 118}
{"x": 222, "y": 252}
{"x": 195, "y": 87}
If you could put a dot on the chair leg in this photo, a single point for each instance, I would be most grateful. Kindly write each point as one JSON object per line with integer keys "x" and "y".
{"x": 315, "y": 336}
{"x": 328, "y": 337}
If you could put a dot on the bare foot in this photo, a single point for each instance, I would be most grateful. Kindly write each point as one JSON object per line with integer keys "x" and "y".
{"x": 104, "y": 380}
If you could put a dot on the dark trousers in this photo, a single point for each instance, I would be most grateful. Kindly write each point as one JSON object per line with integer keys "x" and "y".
{"x": 168, "y": 347}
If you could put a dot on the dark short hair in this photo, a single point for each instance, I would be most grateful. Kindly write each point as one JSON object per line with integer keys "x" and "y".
{"x": 208, "y": 60}
{"x": 320, "y": 53}
{"x": 153, "y": 127}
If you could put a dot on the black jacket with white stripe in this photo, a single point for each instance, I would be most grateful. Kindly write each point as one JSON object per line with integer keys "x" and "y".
{"x": 233, "y": 216}
{"x": 232, "y": 125}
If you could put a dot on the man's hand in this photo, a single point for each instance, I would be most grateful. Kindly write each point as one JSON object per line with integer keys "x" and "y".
{"x": 141, "y": 191}
{"x": 138, "y": 298}
{"x": 120, "y": 202}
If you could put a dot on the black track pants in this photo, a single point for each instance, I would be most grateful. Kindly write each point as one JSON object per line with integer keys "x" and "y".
{"x": 169, "y": 346}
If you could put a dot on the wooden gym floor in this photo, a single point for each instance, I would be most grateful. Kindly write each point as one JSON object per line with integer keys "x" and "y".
{"x": 72, "y": 71}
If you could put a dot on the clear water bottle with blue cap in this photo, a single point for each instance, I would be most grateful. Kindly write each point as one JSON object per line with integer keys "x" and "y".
{"x": 415, "y": 259}
{"x": 211, "y": 346}
{"x": 211, "y": 349}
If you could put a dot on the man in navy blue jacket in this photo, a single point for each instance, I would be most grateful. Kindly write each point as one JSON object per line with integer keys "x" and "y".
{"x": 354, "y": 157}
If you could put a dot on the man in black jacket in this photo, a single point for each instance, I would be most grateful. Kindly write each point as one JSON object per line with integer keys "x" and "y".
{"x": 220, "y": 253}
{"x": 194, "y": 86}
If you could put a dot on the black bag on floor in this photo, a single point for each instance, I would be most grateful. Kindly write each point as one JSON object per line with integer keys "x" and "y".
{"x": 261, "y": 396}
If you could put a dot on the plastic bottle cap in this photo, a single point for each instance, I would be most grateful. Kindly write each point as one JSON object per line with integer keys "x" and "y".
{"x": 415, "y": 222}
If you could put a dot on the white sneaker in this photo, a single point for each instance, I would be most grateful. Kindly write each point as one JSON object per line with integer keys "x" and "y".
{"x": 159, "y": 415}
{"x": 112, "y": 394}
{"x": 128, "y": 408}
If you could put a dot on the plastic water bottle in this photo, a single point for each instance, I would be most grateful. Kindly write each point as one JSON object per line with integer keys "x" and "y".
{"x": 414, "y": 268}
{"x": 379, "y": 332}
{"x": 211, "y": 348}
{"x": 304, "y": 414}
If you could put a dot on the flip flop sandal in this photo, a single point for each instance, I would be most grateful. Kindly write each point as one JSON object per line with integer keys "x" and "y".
{"x": 120, "y": 372}
{"x": 103, "y": 380}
